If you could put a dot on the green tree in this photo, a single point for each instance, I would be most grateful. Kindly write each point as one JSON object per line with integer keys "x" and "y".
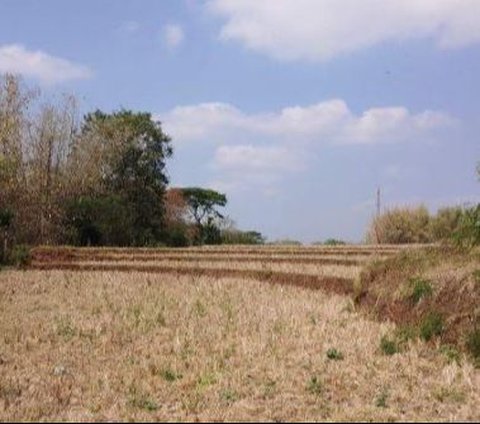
{"x": 202, "y": 204}
{"x": 130, "y": 165}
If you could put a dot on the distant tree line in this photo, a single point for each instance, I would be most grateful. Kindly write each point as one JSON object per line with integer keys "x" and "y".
{"x": 96, "y": 180}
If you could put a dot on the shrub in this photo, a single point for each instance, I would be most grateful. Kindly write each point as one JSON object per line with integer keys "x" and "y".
{"x": 334, "y": 242}
{"x": 233, "y": 236}
{"x": 315, "y": 386}
{"x": 451, "y": 353}
{"x": 445, "y": 223}
{"x": 467, "y": 234}
{"x": 388, "y": 346}
{"x": 476, "y": 276}
{"x": 401, "y": 225}
{"x": 419, "y": 289}
{"x": 405, "y": 333}
{"x": 170, "y": 375}
{"x": 473, "y": 345}
{"x": 19, "y": 256}
{"x": 432, "y": 325}
{"x": 381, "y": 399}
{"x": 334, "y": 354}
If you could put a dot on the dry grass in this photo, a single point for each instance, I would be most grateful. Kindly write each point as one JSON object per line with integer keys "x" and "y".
{"x": 227, "y": 249}
{"x": 335, "y": 259}
{"x": 139, "y": 346}
{"x": 320, "y": 270}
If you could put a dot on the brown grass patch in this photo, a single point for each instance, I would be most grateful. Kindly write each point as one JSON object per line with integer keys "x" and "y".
{"x": 332, "y": 284}
{"x": 353, "y": 260}
{"x": 118, "y": 346}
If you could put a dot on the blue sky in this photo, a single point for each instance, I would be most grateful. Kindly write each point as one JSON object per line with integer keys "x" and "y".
{"x": 296, "y": 109}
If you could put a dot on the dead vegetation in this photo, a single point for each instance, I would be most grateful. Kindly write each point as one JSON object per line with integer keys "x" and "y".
{"x": 197, "y": 334}
{"x": 103, "y": 346}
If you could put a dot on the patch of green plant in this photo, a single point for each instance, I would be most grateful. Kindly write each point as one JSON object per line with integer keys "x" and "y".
{"x": 467, "y": 234}
{"x": 269, "y": 388}
{"x": 389, "y": 346}
{"x": 315, "y": 386}
{"x": 449, "y": 394}
{"x": 334, "y": 354}
{"x": 419, "y": 289}
{"x": 405, "y": 333}
{"x": 160, "y": 319}
{"x": 432, "y": 325}
{"x": 139, "y": 400}
{"x": 451, "y": 353}
{"x": 228, "y": 396}
{"x": 200, "y": 309}
{"x": 476, "y": 277}
{"x": 381, "y": 399}
{"x": 473, "y": 345}
{"x": 20, "y": 256}
{"x": 206, "y": 380}
{"x": 334, "y": 242}
{"x": 170, "y": 375}
{"x": 65, "y": 328}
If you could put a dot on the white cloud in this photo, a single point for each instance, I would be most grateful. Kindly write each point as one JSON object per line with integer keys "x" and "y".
{"x": 256, "y": 150}
{"x": 318, "y": 30}
{"x": 173, "y": 35}
{"x": 248, "y": 158}
{"x": 15, "y": 58}
{"x": 330, "y": 122}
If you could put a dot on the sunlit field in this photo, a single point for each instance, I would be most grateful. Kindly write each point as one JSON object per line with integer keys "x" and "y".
{"x": 134, "y": 345}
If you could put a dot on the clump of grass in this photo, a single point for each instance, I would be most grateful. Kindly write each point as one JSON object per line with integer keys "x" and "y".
{"x": 476, "y": 277}
{"x": 315, "y": 386}
{"x": 389, "y": 346}
{"x": 269, "y": 388}
{"x": 405, "y": 333}
{"x": 200, "y": 309}
{"x": 432, "y": 325}
{"x": 334, "y": 354}
{"x": 206, "y": 380}
{"x": 451, "y": 353}
{"x": 449, "y": 394}
{"x": 420, "y": 289}
{"x": 20, "y": 256}
{"x": 228, "y": 396}
{"x": 170, "y": 375}
{"x": 160, "y": 319}
{"x": 473, "y": 345}
{"x": 139, "y": 400}
{"x": 65, "y": 328}
{"x": 381, "y": 399}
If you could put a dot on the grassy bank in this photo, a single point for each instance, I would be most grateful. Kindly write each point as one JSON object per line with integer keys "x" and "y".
{"x": 431, "y": 293}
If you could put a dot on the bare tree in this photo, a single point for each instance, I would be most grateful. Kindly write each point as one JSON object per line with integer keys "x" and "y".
{"x": 50, "y": 139}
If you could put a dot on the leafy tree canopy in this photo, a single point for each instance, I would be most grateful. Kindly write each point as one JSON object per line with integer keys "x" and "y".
{"x": 203, "y": 203}
{"x": 134, "y": 149}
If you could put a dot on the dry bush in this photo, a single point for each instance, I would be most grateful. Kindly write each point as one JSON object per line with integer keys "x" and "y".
{"x": 400, "y": 226}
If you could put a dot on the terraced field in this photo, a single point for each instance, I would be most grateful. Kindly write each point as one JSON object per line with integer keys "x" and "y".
{"x": 230, "y": 333}
{"x": 333, "y": 268}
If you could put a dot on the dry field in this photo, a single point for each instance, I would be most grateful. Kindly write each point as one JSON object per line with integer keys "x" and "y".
{"x": 231, "y": 333}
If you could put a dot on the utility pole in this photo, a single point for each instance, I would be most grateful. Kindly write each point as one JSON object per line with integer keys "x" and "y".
{"x": 375, "y": 222}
